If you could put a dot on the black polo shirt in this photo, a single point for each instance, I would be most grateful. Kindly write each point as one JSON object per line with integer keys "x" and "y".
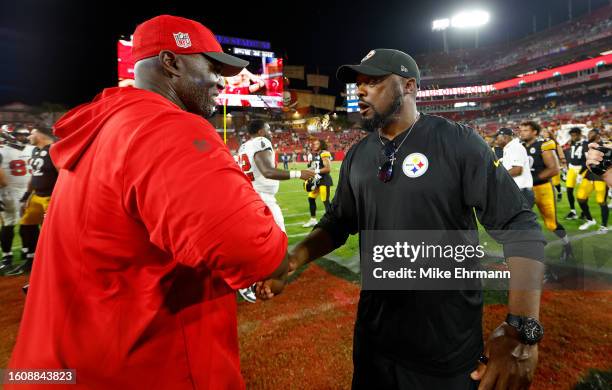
{"x": 450, "y": 172}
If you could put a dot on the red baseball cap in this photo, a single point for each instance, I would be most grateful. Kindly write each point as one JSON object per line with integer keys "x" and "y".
{"x": 181, "y": 36}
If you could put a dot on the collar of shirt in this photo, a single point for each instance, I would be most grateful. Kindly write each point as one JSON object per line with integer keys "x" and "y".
{"x": 515, "y": 141}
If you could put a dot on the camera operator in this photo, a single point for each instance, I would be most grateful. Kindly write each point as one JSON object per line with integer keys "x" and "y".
{"x": 595, "y": 158}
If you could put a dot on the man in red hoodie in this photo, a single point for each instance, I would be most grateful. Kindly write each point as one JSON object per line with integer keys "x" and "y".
{"x": 139, "y": 257}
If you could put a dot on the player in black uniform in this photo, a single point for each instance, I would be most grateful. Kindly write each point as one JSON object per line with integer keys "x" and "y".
{"x": 549, "y": 134}
{"x": 36, "y": 200}
{"x": 321, "y": 184}
{"x": 544, "y": 165}
{"x": 589, "y": 183}
{"x": 576, "y": 168}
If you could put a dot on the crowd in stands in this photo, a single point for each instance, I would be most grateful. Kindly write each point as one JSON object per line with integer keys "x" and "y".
{"x": 297, "y": 142}
{"x": 597, "y": 25}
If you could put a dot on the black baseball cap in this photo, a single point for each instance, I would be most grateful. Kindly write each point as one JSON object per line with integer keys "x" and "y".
{"x": 505, "y": 131}
{"x": 381, "y": 62}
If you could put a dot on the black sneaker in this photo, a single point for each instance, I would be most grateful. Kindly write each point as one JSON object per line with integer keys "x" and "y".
{"x": 20, "y": 269}
{"x": 571, "y": 215}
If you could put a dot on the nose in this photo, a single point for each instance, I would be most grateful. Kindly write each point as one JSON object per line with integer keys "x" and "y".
{"x": 361, "y": 92}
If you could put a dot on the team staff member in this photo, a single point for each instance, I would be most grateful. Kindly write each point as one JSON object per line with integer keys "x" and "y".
{"x": 596, "y": 157}
{"x": 36, "y": 199}
{"x": 544, "y": 165}
{"x": 577, "y": 167}
{"x": 139, "y": 262}
{"x": 320, "y": 185}
{"x": 591, "y": 183}
{"x": 516, "y": 161}
{"x": 422, "y": 172}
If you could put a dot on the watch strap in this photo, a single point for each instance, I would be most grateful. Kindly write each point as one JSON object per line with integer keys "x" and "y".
{"x": 514, "y": 321}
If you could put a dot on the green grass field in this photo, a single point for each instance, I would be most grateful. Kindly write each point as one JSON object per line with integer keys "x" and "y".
{"x": 592, "y": 249}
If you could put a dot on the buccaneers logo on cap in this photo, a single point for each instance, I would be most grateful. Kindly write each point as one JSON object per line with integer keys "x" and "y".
{"x": 182, "y": 40}
{"x": 369, "y": 55}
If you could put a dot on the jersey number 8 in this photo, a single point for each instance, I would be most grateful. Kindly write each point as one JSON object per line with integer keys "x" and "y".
{"x": 18, "y": 168}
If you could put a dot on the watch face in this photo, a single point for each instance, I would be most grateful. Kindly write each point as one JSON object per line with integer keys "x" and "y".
{"x": 532, "y": 331}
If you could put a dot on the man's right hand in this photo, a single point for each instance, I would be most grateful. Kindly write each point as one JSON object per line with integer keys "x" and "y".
{"x": 306, "y": 174}
{"x": 268, "y": 289}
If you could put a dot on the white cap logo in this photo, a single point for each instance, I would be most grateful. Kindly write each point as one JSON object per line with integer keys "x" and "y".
{"x": 403, "y": 68}
{"x": 182, "y": 40}
{"x": 369, "y": 55}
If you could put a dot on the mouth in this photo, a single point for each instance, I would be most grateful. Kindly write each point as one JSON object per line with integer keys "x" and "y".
{"x": 363, "y": 108}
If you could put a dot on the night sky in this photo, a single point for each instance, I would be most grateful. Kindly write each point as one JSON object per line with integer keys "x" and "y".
{"x": 65, "y": 51}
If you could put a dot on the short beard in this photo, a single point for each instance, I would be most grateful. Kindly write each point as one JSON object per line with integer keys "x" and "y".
{"x": 380, "y": 120}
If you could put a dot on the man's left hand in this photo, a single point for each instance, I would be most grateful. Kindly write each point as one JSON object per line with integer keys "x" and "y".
{"x": 511, "y": 363}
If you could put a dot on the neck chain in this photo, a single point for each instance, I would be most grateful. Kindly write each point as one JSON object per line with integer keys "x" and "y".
{"x": 406, "y": 136}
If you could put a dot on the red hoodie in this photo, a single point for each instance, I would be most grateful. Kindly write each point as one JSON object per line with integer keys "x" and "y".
{"x": 151, "y": 228}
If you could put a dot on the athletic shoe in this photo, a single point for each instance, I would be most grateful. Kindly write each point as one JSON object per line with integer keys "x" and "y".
{"x": 550, "y": 276}
{"x": 20, "y": 269}
{"x": 6, "y": 266}
{"x": 571, "y": 215}
{"x": 587, "y": 224}
{"x": 248, "y": 294}
{"x": 602, "y": 230}
{"x": 310, "y": 223}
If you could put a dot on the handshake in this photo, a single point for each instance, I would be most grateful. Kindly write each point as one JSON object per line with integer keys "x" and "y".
{"x": 269, "y": 288}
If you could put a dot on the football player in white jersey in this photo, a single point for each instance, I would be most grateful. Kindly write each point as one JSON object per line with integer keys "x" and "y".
{"x": 15, "y": 155}
{"x": 257, "y": 160}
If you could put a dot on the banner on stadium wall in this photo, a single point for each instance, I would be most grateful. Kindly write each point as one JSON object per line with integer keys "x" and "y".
{"x": 528, "y": 78}
{"x": 294, "y": 72}
{"x": 307, "y": 99}
{"x": 317, "y": 80}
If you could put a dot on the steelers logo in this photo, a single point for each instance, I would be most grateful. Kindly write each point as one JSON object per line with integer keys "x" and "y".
{"x": 415, "y": 165}
{"x": 369, "y": 55}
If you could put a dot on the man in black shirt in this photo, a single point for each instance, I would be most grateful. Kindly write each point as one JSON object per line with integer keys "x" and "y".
{"x": 590, "y": 183}
{"x": 422, "y": 172}
{"x": 37, "y": 198}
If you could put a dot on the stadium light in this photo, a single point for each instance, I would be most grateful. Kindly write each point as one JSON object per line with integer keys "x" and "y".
{"x": 469, "y": 19}
{"x": 440, "y": 24}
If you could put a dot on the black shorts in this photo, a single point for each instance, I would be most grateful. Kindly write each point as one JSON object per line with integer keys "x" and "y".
{"x": 375, "y": 371}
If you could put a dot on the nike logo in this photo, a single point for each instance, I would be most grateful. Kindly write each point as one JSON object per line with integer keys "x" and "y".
{"x": 201, "y": 145}
{"x": 496, "y": 163}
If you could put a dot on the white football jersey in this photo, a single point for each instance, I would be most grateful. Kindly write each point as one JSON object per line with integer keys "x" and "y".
{"x": 16, "y": 166}
{"x": 246, "y": 161}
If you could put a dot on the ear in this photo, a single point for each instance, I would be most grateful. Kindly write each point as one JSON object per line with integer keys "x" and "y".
{"x": 410, "y": 86}
{"x": 169, "y": 63}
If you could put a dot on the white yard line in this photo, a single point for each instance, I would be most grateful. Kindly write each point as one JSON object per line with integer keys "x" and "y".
{"x": 298, "y": 235}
